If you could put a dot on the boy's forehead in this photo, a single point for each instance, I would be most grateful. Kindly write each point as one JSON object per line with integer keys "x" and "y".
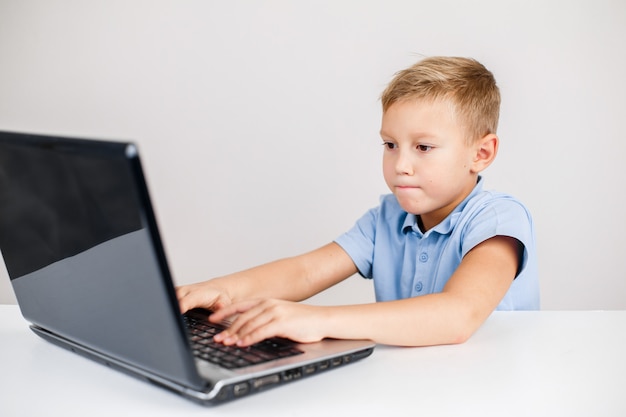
{"x": 419, "y": 117}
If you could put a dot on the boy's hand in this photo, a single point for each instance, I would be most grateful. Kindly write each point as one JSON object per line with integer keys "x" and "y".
{"x": 261, "y": 319}
{"x": 202, "y": 295}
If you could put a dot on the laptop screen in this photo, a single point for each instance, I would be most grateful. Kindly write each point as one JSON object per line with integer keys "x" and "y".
{"x": 80, "y": 243}
{"x": 57, "y": 202}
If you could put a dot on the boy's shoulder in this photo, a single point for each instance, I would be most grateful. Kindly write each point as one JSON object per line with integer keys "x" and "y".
{"x": 494, "y": 202}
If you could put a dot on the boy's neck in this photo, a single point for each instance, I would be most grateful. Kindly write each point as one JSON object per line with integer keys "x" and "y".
{"x": 420, "y": 224}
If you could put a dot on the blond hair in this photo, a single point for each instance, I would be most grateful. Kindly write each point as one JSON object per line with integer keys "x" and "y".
{"x": 464, "y": 82}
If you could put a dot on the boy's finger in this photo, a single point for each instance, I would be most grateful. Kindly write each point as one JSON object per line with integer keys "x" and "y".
{"x": 226, "y": 311}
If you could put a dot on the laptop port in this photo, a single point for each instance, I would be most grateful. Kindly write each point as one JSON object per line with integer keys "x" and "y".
{"x": 292, "y": 374}
{"x": 335, "y": 361}
{"x": 240, "y": 389}
{"x": 266, "y": 381}
{"x": 309, "y": 369}
{"x": 324, "y": 365}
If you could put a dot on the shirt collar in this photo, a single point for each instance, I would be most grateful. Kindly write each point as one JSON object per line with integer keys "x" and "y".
{"x": 447, "y": 224}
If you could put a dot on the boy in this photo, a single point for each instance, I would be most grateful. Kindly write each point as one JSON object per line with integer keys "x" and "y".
{"x": 442, "y": 252}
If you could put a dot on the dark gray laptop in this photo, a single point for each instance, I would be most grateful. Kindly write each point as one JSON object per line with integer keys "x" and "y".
{"x": 80, "y": 243}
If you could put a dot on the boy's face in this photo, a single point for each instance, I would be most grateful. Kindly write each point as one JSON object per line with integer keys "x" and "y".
{"x": 427, "y": 163}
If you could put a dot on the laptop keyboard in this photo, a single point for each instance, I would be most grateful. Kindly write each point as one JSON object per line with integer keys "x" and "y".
{"x": 201, "y": 334}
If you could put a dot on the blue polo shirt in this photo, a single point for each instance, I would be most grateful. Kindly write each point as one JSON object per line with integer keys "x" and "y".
{"x": 387, "y": 245}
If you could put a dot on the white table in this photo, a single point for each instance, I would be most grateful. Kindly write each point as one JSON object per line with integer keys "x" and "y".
{"x": 518, "y": 364}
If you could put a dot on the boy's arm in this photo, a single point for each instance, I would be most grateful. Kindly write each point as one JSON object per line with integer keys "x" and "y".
{"x": 452, "y": 316}
{"x": 296, "y": 278}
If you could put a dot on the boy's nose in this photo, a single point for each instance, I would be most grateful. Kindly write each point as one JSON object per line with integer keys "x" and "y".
{"x": 404, "y": 165}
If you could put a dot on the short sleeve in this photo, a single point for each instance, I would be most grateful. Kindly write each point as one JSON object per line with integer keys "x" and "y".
{"x": 358, "y": 242}
{"x": 499, "y": 216}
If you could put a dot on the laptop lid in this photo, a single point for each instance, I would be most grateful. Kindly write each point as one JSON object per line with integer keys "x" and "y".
{"x": 80, "y": 244}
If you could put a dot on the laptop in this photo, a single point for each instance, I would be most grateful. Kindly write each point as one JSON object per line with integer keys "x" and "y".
{"x": 80, "y": 242}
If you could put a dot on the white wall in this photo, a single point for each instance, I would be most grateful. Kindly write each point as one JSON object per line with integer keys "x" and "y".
{"x": 258, "y": 120}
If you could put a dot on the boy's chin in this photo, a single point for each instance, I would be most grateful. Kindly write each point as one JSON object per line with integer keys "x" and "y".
{"x": 410, "y": 206}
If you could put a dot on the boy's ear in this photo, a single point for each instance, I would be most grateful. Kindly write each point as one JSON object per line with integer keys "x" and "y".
{"x": 486, "y": 150}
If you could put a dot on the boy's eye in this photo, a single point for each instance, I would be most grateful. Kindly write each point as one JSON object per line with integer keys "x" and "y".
{"x": 389, "y": 145}
{"x": 424, "y": 148}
